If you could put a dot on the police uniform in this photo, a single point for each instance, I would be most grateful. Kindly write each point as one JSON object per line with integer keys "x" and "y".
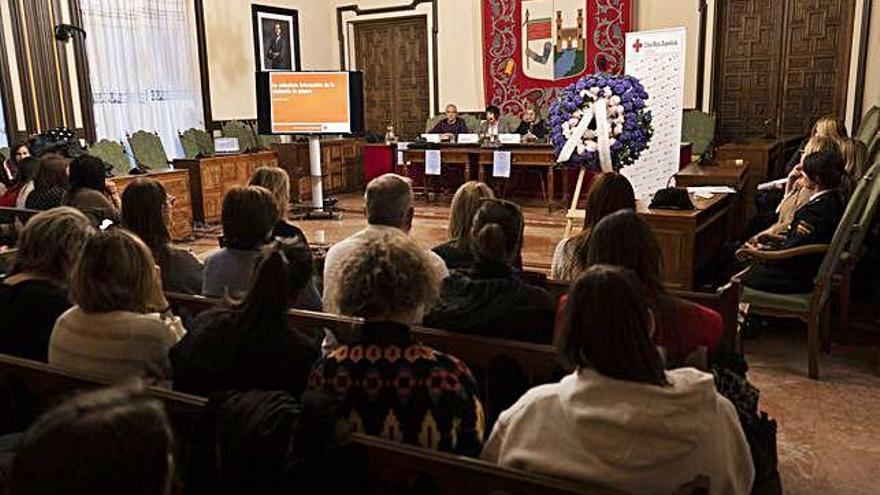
{"x": 814, "y": 223}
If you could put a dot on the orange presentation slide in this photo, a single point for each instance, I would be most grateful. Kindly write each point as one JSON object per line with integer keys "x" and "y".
{"x": 306, "y": 102}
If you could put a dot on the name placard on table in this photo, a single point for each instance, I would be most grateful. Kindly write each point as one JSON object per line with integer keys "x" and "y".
{"x": 432, "y": 162}
{"x": 468, "y": 138}
{"x": 501, "y": 164}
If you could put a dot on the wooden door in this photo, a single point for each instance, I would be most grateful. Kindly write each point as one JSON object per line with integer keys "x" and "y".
{"x": 393, "y": 54}
{"x": 815, "y": 73}
{"x": 780, "y": 65}
{"x": 747, "y": 58}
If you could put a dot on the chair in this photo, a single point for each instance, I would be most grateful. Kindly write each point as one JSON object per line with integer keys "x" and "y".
{"x": 854, "y": 252}
{"x": 264, "y": 142}
{"x": 812, "y": 307}
{"x": 196, "y": 143}
{"x": 112, "y": 153}
{"x": 247, "y": 139}
{"x": 432, "y": 121}
{"x": 698, "y": 128}
{"x": 149, "y": 153}
{"x": 4, "y": 154}
{"x": 511, "y": 121}
{"x": 472, "y": 121}
{"x": 870, "y": 125}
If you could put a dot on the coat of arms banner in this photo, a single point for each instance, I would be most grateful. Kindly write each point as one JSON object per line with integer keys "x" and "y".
{"x": 533, "y": 48}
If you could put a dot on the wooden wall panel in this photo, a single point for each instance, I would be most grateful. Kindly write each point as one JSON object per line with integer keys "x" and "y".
{"x": 44, "y": 78}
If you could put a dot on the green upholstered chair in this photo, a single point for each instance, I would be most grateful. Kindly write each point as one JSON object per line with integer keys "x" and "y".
{"x": 856, "y": 248}
{"x": 812, "y": 307}
{"x": 148, "y": 151}
{"x": 472, "y": 121}
{"x": 698, "y": 128}
{"x": 264, "y": 141}
{"x": 196, "y": 143}
{"x": 867, "y": 131}
{"x": 512, "y": 121}
{"x": 247, "y": 139}
{"x": 4, "y": 154}
{"x": 432, "y": 121}
{"x": 112, "y": 153}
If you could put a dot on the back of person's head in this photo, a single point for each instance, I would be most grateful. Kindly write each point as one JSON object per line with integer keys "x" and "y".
{"x": 52, "y": 172}
{"x": 855, "y": 157}
{"x": 831, "y": 127}
{"x": 389, "y": 200}
{"x": 464, "y": 205}
{"x": 609, "y": 192}
{"x": 249, "y": 215}
{"x": 820, "y": 143}
{"x": 88, "y": 172}
{"x": 115, "y": 272}
{"x": 824, "y": 168}
{"x": 51, "y": 242}
{"x": 111, "y": 441}
{"x": 281, "y": 272}
{"x": 608, "y": 327}
{"x": 145, "y": 213}
{"x": 494, "y": 111}
{"x": 388, "y": 278}
{"x": 276, "y": 180}
{"x": 497, "y": 231}
{"x": 625, "y": 239}
{"x": 27, "y": 168}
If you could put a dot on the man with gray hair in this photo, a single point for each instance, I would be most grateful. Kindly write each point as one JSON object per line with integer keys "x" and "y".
{"x": 389, "y": 208}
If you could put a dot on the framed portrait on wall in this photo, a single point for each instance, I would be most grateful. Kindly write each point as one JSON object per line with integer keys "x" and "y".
{"x": 276, "y": 38}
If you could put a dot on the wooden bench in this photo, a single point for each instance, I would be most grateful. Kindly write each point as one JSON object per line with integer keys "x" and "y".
{"x": 504, "y": 369}
{"x": 378, "y": 466}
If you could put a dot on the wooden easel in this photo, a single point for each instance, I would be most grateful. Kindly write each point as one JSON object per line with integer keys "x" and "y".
{"x": 573, "y": 212}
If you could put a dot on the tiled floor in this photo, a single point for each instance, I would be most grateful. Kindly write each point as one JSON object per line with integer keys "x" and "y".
{"x": 829, "y": 430}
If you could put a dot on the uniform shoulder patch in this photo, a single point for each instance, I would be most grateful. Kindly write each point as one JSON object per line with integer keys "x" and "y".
{"x": 804, "y": 228}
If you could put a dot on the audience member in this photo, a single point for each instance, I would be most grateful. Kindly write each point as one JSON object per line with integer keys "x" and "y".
{"x": 814, "y": 223}
{"x": 27, "y": 169}
{"x": 110, "y": 441}
{"x": 457, "y": 252}
{"x": 619, "y": 419}
{"x": 389, "y": 209}
{"x": 389, "y": 384}
{"x": 828, "y": 127}
{"x": 146, "y": 212}
{"x": 682, "y": 327}
{"x": 248, "y": 216}
{"x": 531, "y": 128}
{"x": 451, "y": 126}
{"x": 50, "y": 183}
{"x": 121, "y": 325}
{"x": 89, "y": 191}
{"x": 609, "y": 192}
{"x": 9, "y": 170}
{"x": 855, "y": 156}
{"x": 490, "y": 298}
{"x": 249, "y": 345}
{"x": 34, "y": 294}
{"x": 276, "y": 180}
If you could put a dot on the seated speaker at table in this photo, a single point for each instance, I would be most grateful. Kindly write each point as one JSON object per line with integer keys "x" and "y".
{"x": 532, "y": 128}
{"x": 493, "y": 125}
{"x": 452, "y": 125}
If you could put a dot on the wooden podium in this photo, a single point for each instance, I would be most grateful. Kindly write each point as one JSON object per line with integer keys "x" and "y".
{"x": 211, "y": 178}
{"x": 176, "y": 183}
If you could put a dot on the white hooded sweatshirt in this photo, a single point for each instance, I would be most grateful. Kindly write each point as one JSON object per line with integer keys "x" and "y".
{"x": 633, "y": 437}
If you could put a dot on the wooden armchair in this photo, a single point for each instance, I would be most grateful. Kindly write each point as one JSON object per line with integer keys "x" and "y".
{"x": 113, "y": 153}
{"x": 247, "y": 139}
{"x": 812, "y": 307}
{"x": 149, "y": 153}
{"x": 196, "y": 143}
{"x": 870, "y": 125}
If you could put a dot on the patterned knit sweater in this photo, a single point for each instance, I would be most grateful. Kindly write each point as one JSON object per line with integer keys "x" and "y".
{"x": 396, "y": 388}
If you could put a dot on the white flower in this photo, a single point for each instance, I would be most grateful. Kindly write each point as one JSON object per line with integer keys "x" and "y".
{"x": 608, "y": 92}
{"x": 574, "y": 121}
{"x": 584, "y": 93}
{"x": 611, "y": 142}
{"x": 577, "y": 113}
{"x": 594, "y": 90}
{"x": 621, "y": 110}
{"x": 618, "y": 130}
{"x": 615, "y": 100}
{"x": 590, "y": 134}
{"x": 581, "y": 149}
{"x": 591, "y": 146}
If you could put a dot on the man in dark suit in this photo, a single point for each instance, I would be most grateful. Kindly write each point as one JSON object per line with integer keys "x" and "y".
{"x": 814, "y": 223}
{"x": 278, "y": 51}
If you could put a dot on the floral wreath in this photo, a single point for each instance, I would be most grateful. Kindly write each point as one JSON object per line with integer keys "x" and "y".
{"x": 576, "y": 122}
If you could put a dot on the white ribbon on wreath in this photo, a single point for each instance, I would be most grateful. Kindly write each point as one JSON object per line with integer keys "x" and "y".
{"x": 598, "y": 111}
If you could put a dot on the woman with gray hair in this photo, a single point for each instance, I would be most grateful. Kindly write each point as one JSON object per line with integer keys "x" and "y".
{"x": 34, "y": 294}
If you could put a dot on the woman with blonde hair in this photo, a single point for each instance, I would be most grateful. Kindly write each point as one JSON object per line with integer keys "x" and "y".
{"x": 121, "y": 325}
{"x": 277, "y": 181}
{"x": 34, "y": 294}
{"x": 457, "y": 251}
{"x": 855, "y": 156}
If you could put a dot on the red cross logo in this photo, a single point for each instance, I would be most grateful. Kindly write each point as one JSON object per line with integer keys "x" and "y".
{"x": 638, "y": 45}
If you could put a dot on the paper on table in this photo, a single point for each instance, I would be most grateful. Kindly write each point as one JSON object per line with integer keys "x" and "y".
{"x": 468, "y": 139}
{"x": 401, "y": 147}
{"x": 709, "y": 191}
{"x": 432, "y": 162}
{"x": 501, "y": 164}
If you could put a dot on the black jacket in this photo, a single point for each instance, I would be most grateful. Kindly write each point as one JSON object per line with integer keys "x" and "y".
{"x": 492, "y": 300}
{"x": 814, "y": 223}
